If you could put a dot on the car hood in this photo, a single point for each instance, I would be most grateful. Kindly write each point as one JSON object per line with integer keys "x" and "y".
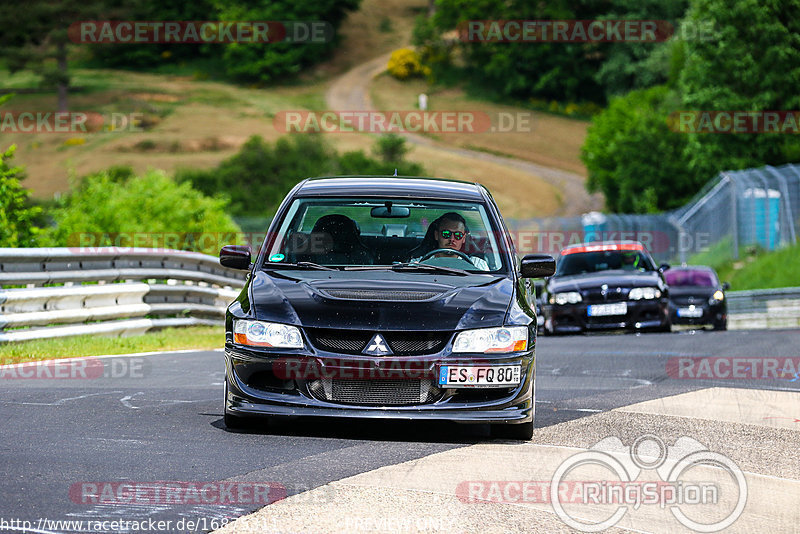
{"x": 371, "y": 299}
{"x": 612, "y": 278}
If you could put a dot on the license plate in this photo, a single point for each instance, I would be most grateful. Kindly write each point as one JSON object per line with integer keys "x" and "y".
{"x": 690, "y": 312}
{"x": 492, "y": 375}
{"x": 596, "y": 310}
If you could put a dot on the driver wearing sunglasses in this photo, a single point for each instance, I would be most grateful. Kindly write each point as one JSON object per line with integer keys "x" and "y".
{"x": 450, "y": 232}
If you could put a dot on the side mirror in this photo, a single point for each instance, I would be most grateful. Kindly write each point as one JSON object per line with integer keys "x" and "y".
{"x": 663, "y": 267}
{"x": 537, "y": 266}
{"x": 726, "y": 286}
{"x": 235, "y": 256}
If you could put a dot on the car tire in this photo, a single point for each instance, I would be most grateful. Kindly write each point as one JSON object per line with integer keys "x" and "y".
{"x": 520, "y": 431}
{"x": 721, "y": 325}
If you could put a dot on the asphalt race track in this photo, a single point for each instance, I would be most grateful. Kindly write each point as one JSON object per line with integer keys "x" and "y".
{"x": 156, "y": 419}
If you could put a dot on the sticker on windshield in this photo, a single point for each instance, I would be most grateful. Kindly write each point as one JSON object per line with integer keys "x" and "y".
{"x": 276, "y": 257}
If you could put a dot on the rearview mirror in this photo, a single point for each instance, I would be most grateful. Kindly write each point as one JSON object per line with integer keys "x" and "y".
{"x": 390, "y": 212}
{"x": 663, "y": 267}
{"x": 537, "y": 266}
{"x": 235, "y": 256}
{"x": 726, "y": 286}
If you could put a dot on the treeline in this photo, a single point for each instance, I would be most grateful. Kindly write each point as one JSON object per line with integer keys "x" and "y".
{"x": 721, "y": 56}
{"x": 41, "y": 35}
{"x": 248, "y": 61}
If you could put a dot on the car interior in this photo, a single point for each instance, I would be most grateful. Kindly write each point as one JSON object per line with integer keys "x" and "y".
{"x": 336, "y": 239}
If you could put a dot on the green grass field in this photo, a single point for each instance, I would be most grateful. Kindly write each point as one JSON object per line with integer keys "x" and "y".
{"x": 196, "y": 337}
{"x": 755, "y": 268}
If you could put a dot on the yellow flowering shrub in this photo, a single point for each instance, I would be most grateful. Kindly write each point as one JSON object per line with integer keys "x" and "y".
{"x": 405, "y": 63}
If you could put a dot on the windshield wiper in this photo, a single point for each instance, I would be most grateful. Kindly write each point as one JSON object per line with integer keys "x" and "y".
{"x": 301, "y": 264}
{"x": 410, "y": 266}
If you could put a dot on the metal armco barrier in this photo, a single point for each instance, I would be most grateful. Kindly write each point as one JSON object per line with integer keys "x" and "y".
{"x": 109, "y": 291}
{"x": 764, "y": 309}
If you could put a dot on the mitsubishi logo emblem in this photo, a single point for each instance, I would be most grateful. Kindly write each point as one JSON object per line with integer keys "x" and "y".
{"x": 377, "y": 346}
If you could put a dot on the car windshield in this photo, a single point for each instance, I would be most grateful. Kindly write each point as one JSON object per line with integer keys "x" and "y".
{"x": 690, "y": 277}
{"x": 357, "y": 232}
{"x": 592, "y": 262}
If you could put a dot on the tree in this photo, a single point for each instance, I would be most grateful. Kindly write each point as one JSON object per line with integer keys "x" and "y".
{"x": 634, "y": 65}
{"x": 276, "y": 61}
{"x": 633, "y": 157}
{"x": 35, "y": 34}
{"x": 750, "y": 63}
{"x": 18, "y": 227}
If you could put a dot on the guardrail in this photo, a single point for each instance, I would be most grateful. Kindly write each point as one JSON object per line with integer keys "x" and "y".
{"x": 109, "y": 291}
{"x": 121, "y": 292}
{"x": 764, "y": 308}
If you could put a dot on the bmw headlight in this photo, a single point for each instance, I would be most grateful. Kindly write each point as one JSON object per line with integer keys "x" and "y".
{"x": 647, "y": 293}
{"x": 503, "y": 339}
{"x": 718, "y": 296}
{"x": 262, "y": 334}
{"x": 570, "y": 297}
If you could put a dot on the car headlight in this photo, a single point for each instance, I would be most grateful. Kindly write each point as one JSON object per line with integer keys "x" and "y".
{"x": 503, "y": 339}
{"x": 262, "y": 334}
{"x": 647, "y": 293}
{"x": 570, "y": 297}
{"x": 718, "y": 296}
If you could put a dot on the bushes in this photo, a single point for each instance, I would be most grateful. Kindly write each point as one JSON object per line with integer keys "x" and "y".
{"x": 260, "y": 175}
{"x": 18, "y": 227}
{"x": 114, "y": 207}
{"x": 405, "y": 63}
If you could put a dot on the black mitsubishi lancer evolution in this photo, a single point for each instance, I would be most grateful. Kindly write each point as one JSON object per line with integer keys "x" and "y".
{"x": 378, "y": 297}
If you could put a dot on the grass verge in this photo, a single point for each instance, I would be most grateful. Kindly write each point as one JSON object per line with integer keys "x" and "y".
{"x": 755, "y": 269}
{"x": 195, "y": 337}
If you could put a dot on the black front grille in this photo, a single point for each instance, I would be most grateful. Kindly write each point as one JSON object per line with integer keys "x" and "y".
{"x": 597, "y": 296}
{"x": 401, "y": 343}
{"x": 686, "y": 300}
{"x": 377, "y": 392}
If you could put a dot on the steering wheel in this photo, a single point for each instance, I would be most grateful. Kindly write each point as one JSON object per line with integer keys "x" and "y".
{"x": 447, "y": 251}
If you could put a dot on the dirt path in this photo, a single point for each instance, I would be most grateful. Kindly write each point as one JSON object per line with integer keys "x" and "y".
{"x": 350, "y": 92}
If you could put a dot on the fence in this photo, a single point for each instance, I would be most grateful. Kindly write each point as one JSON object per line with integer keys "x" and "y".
{"x": 109, "y": 291}
{"x": 752, "y": 207}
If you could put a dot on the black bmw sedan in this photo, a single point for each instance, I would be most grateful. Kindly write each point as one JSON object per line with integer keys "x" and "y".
{"x": 696, "y": 297}
{"x": 606, "y": 285}
{"x": 378, "y": 297}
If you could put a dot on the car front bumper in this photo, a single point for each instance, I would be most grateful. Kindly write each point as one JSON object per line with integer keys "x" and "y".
{"x": 256, "y": 386}
{"x": 710, "y": 314}
{"x": 574, "y": 318}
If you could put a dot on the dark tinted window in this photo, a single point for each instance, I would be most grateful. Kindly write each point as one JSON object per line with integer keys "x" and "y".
{"x": 690, "y": 277}
{"x": 592, "y": 262}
